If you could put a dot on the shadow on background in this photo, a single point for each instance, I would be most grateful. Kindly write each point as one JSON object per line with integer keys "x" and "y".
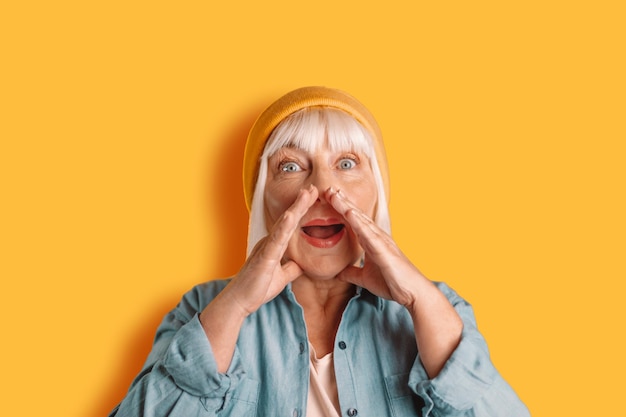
{"x": 134, "y": 355}
{"x": 228, "y": 200}
{"x": 231, "y": 225}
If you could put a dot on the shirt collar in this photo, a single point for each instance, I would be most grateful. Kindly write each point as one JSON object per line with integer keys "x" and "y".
{"x": 360, "y": 294}
{"x": 367, "y": 296}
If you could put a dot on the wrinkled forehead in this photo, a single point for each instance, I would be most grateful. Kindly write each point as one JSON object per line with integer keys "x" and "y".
{"x": 314, "y": 127}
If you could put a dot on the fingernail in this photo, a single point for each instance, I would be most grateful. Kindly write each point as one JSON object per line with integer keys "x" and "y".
{"x": 331, "y": 190}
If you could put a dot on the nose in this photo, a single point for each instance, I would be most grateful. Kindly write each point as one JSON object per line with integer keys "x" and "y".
{"x": 322, "y": 179}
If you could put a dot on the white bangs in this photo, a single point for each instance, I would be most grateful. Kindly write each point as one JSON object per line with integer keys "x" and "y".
{"x": 308, "y": 129}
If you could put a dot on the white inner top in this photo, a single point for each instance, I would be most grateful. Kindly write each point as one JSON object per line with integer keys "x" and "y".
{"x": 323, "y": 399}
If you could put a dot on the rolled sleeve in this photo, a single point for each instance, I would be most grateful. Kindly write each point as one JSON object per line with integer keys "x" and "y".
{"x": 180, "y": 376}
{"x": 464, "y": 379}
{"x": 190, "y": 362}
{"x": 468, "y": 384}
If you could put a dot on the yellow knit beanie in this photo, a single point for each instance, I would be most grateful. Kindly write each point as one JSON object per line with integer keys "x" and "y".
{"x": 291, "y": 103}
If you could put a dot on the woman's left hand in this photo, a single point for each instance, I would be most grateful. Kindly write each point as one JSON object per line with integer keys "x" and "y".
{"x": 387, "y": 272}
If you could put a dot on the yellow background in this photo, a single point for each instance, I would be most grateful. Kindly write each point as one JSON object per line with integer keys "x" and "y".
{"x": 122, "y": 129}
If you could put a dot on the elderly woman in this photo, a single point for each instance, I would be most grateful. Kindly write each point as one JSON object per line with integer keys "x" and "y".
{"x": 327, "y": 317}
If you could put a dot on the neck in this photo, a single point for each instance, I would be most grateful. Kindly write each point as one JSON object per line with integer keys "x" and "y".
{"x": 323, "y": 303}
{"x": 325, "y": 294}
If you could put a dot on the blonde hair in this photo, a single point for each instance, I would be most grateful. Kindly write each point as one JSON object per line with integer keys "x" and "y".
{"x": 303, "y": 130}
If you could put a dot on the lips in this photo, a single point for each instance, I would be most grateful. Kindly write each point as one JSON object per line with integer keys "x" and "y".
{"x": 323, "y": 233}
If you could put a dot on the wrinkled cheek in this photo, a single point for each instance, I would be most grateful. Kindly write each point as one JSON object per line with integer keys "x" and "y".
{"x": 296, "y": 251}
{"x": 371, "y": 208}
{"x": 365, "y": 200}
{"x": 273, "y": 210}
{"x": 277, "y": 201}
{"x": 291, "y": 252}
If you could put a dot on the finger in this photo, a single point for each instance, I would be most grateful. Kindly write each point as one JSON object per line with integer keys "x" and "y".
{"x": 292, "y": 271}
{"x": 351, "y": 274}
{"x": 362, "y": 225}
{"x": 368, "y": 277}
{"x": 379, "y": 247}
{"x": 343, "y": 205}
{"x": 287, "y": 224}
{"x": 338, "y": 200}
{"x": 375, "y": 241}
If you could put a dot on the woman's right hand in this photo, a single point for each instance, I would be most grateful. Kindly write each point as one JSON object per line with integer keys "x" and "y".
{"x": 262, "y": 277}
{"x": 264, "y": 274}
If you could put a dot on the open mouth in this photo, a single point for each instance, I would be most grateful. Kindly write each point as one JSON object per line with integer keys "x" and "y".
{"x": 323, "y": 232}
{"x": 323, "y": 235}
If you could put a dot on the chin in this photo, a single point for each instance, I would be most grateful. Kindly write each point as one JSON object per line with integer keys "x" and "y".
{"x": 325, "y": 267}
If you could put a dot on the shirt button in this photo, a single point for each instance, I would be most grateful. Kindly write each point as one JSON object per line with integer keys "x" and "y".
{"x": 352, "y": 412}
{"x": 342, "y": 346}
{"x": 301, "y": 349}
{"x": 295, "y": 412}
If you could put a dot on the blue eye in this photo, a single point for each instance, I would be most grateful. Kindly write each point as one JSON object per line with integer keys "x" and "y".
{"x": 290, "y": 167}
{"x": 347, "y": 163}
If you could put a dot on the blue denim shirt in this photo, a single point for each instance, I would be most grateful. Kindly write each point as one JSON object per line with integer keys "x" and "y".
{"x": 377, "y": 365}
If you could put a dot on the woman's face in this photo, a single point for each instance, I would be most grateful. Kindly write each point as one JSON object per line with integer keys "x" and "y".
{"x": 324, "y": 244}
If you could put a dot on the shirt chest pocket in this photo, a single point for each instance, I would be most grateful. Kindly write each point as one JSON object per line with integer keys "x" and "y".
{"x": 402, "y": 401}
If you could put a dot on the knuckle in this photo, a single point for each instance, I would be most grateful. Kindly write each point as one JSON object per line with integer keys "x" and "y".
{"x": 288, "y": 215}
